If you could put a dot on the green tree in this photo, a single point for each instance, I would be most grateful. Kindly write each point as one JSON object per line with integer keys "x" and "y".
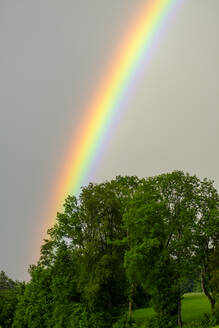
{"x": 5, "y": 282}
{"x": 146, "y": 261}
{"x": 9, "y": 290}
{"x": 35, "y": 305}
{"x": 207, "y": 235}
{"x": 213, "y": 267}
{"x": 93, "y": 226}
{"x": 161, "y": 222}
{"x": 80, "y": 274}
{"x": 49, "y": 298}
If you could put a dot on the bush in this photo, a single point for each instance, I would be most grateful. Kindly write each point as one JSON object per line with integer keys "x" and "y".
{"x": 208, "y": 321}
{"x": 162, "y": 322}
{"x": 100, "y": 320}
{"x": 125, "y": 322}
{"x": 216, "y": 312}
{"x": 79, "y": 317}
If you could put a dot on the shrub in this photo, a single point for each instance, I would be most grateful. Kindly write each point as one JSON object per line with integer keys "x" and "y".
{"x": 162, "y": 322}
{"x": 125, "y": 322}
{"x": 216, "y": 312}
{"x": 208, "y": 321}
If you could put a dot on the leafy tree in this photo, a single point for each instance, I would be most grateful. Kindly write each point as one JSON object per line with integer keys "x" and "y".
{"x": 5, "y": 282}
{"x": 146, "y": 261}
{"x": 214, "y": 281}
{"x": 9, "y": 290}
{"x": 48, "y": 299}
{"x": 93, "y": 228}
{"x": 162, "y": 219}
{"x": 81, "y": 265}
{"x": 35, "y": 305}
{"x": 207, "y": 235}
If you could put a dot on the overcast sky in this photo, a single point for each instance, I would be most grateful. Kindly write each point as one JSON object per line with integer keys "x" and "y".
{"x": 52, "y": 53}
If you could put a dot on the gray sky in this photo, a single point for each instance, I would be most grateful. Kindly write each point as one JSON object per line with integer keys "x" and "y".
{"x": 52, "y": 53}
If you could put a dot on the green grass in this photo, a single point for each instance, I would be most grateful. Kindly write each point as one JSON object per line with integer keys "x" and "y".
{"x": 143, "y": 315}
{"x": 194, "y": 306}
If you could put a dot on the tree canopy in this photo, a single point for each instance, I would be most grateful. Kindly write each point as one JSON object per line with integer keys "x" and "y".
{"x": 125, "y": 243}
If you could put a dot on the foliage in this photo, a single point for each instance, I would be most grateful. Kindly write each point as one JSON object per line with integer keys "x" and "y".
{"x": 161, "y": 223}
{"x": 5, "y": 282}
{"x": 194, "y": 307}
{"x": 8, "y": 303}
{"x": 122, "y": 244}
{"x": 208, "y": 321}
{"x": 214, "y": 279}
{"x": 49, "y": 297}
{"x": 164, "y": 322}
{"x": 207, "y": 236}
{"x": 9, "y": 291}
{"x": 125, "y": 322}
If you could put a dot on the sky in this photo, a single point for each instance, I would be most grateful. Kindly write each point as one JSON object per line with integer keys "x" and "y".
{"x": 53, "y": 55}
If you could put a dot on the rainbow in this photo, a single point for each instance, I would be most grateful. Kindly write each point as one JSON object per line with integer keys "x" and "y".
{"x": 107, "y": 101}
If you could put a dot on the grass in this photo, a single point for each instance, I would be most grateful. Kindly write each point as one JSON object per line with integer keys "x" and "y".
{"x": 194, "y": 306}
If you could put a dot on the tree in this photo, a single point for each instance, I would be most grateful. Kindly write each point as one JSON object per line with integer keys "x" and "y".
{"x": 5, "y": 282}
{"x": 80, "y": 273}
{"x": 213, "y": 267}
{"x": 49, "y": 298}
{"x": 162, "y": 220}
{"x": 207, "y": 234}
{"x": 8, "y": 299}
{"x": 93, "y": 227}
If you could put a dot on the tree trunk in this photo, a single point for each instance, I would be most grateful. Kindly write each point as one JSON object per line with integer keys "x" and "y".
{"x": 179, "y": 313}
{"x": 130, "y": 308}
{"x": 205, "y": 290}
{"x": 130, "y": 300}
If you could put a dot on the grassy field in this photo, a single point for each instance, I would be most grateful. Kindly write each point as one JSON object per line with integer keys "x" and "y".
{"x": 194, "y": 306}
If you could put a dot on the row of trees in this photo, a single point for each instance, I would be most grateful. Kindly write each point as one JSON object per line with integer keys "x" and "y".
{"x": 121, "y": 244}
